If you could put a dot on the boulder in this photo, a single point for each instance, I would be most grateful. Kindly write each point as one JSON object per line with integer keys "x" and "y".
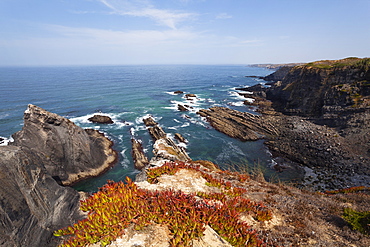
{"x": 68, "y": 152}
{"x": 190, "y": 96}
{"x": 178, "y": 92}
{"x": 101, "y": 119}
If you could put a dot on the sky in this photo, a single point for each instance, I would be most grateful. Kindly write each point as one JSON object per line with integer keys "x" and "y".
{"x": 118, "y": 32}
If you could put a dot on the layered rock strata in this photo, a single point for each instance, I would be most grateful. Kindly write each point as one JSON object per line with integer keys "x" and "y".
{"x": 32, "y": 204}
{"x": 68, "y": 152}
{"x": 323, "y": 120}
{"x": 138, "y": 155}
{"x": 241, "y": 125}
{"x": 165, "y": 148}
{"x": 48, "y": 152}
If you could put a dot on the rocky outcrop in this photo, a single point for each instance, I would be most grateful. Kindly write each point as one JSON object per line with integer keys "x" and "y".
{"x": 68, "y": 152}
{"x": 180, "y": 138}
{"x": 164, "y": 148}
{"x": 101, "y": 119}
{"x": 182, "y": 108}
{"x": 48, "y": 152}
{"x": 333, "y": 93}
{"x": 241, "y": 125}
{"x": 140, "y": 160}
{"x": 32, "y": 204}
{"x": 319, "y": 89}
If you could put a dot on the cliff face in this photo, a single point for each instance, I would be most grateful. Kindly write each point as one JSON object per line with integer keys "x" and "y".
{"x": 319, "y": 90}
{"x": 334, "y": 93}
{"x": 68, "y": 152}
{"x": 49, "y": 151}
{"x": 32, "y": 204}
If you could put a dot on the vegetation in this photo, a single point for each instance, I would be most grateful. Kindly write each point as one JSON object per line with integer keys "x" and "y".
{"x": 119, "y": 205}
{"x": 359, "y": 221}
{"x": 355, "y": 62}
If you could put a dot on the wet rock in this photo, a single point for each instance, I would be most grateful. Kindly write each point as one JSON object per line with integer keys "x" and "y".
{"x": 190, "y": 96}
{"x": 157, "y": 133}
{"x": 138, "y": 155}
{"x": 101, "y": 119}
{"x": 178, "y": 92}
{"x": 182, "y": 108}
{"x": 180, "y": 137}
{"x": 149, "y": 122}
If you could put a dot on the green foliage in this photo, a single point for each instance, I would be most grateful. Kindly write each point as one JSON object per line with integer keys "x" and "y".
{"x": 354, "y": 62}
{"x": 117, "y": 205}
{"x": 359, "y": 221}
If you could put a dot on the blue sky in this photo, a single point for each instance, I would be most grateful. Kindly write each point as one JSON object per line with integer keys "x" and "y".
{"x": 94, "y": 32}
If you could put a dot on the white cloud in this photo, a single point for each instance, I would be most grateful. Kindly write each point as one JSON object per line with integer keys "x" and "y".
{"x": 224, "y": 16}
{"x": 142, "y": 8}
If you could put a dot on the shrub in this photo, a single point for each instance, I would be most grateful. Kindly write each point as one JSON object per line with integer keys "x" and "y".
{"x": 359, "y": 221}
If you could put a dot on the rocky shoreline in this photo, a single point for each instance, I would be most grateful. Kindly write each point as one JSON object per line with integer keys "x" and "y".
{"x": 49, "y": 153}
{"x": 322, "y": 117}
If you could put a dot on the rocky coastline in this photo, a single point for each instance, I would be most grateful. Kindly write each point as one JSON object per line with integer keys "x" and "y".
{"x": 321, "y": 111}
{"x": 328, "y": 137}
{"x": 49, "y": 153}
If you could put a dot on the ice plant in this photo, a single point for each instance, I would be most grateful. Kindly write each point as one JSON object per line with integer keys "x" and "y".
{"x": 118, "y": 205}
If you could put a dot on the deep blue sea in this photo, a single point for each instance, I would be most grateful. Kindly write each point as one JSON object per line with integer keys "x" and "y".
{"x": 129, "y": 93}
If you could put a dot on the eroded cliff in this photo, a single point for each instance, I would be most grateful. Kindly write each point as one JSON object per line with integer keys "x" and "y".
{"x": 68, "y": 152}
{"x": 48, "y": 152}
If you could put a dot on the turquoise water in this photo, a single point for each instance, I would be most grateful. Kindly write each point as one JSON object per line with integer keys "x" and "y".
{"x": 127, "y": 94}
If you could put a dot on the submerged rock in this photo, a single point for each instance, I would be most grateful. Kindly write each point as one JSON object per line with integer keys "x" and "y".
{"x": 68, "y": 152}
{"x": 101, "y": 119}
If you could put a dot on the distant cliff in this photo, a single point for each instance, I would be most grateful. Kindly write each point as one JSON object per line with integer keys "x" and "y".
{"x": 49, "y": 151}
{"x": 323, "y": 88}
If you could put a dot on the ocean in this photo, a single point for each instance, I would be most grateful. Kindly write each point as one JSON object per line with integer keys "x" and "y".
{"x": 128, "y": 94}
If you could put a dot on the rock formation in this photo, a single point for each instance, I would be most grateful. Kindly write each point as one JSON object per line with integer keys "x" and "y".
{"x": 32, "y": 204}
{"x": 165, "y": 148}
{"x": 68, "y": 152}
{"x": 101, "y": 119}
{"x": 140, "y": 160}
{"x": 182, "y": 108}
{"x": 241, "y": 125}
{"x": 180, "y": 138}
{"x": 49, "y": 151}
